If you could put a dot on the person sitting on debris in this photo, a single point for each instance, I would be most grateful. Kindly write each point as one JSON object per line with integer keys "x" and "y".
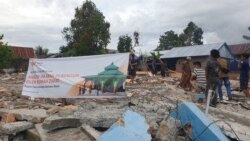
{"x": 212, "y": 76}
{"x": 186, "y": 74}
{"x": 199, "y": 76}
{"x": 224, "y": 77}
{"x": 132, "y": 67}
{"x": 244, "y": 76}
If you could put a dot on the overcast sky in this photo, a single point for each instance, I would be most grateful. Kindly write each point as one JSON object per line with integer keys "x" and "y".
{"x": 31, "y": 23}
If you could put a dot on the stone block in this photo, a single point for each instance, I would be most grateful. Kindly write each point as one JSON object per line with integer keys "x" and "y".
{"x": 33, "y": 135}
{"x": 15, "y": 127}
{"x": 57, "y": 122}
{"x": 91, "y": 132}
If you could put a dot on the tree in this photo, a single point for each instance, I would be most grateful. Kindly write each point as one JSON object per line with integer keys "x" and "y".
{"x": 88, "y": 33}
{"x": 245, "y": 36}
{"x": 5, "y": 54}
{"x": 169, "y": 40}
{"x": 136, "y": 38}
{"x": 124, "y": 43}
{"x": 192, "y": 35}
{"x": 40, "y": 51}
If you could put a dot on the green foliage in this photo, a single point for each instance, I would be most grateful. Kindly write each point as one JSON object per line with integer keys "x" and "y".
{"x": 5, "y": 54}
{"x": 40, "y": 51}
{"x": 192, "y": 35}
{"x": 136, "y": 38}
{"x": 88, "y": 33}
{"x": 19, "y": 64}
{"x": 156, "y": 55}
{"x": 124, "y": 44}
{"x": 245, "y": 36}
{"x": 169, "y": 40}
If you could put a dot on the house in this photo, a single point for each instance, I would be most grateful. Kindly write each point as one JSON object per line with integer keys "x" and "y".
{"x": 22, "y": 52}
{"x": 177, "y": 55}
{"x": 20, "y": 57}
{"x": 239, "y": 49}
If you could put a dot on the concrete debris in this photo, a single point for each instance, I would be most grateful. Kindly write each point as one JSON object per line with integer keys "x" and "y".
{"x": 4, "y": 105}
{"x": 53, "y": 110}
{"x": 15, "y": 127}
{"x": 56, "y": 122}
{"x": 91, "y": 132}
{"x": 33, "y": 135}
{"x": 152, "y": 97}
{"x": 70, "y": 107}
{"x": 67, "y": 134}
{"x": 128, "y": 129}
{"x": 32, "y": 115}
{"x": 168, "y": 130}
{"x": 8, "y": 118}
{"x": 103, "y": 119}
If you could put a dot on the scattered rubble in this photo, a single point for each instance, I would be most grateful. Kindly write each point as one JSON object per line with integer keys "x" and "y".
{"x": 87, "y": 119}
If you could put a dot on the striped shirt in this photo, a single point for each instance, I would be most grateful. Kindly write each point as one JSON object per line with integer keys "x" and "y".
{"x": 200, "y": 76}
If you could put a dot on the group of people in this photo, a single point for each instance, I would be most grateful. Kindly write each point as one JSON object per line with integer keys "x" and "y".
{"x": 214, "y": 75}
{"x": 133, "y": 63}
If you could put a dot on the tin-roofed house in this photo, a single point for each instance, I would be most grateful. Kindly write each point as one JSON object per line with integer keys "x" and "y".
{"x": 177, "y": 55}
{"x": 239, "y": 49}
{"x": 20, "y": 57}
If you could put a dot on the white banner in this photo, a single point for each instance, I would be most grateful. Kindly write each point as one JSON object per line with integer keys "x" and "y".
{"x": 98, "y": 76}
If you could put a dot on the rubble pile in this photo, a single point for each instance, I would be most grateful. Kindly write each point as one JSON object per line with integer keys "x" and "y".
{"x": 154, "y": 98}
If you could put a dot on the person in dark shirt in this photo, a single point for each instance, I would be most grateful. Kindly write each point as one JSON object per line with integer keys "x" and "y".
{"x": 154, "y": 67}
{"x": 244, "y": 74}
{"x": 212, "y": 76}
{"x": 132, "y": 67}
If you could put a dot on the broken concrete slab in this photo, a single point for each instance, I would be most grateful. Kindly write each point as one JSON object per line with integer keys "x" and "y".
{"x": 57, "y": 122}
{"x": 32, "y": 115}
{"x": 32, "y": 135}
{"x": 15, "y": 127}
{"x": 243, "y": 119}
{"x": 67, "y": 134}
{"x": 99, "y": 118}
{"x": 42, "y": 132}
{"x": 128, "y": 129}
{"x": 91, "y": 132}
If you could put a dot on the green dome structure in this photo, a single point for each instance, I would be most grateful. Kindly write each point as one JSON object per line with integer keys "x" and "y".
{"x": 108, "y": 80}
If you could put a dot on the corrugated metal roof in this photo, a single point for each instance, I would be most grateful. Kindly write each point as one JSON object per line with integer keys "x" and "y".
{"x": 22, "y": 52}
{"x": 197, "y": 50}
{"x": 240, "y": 49}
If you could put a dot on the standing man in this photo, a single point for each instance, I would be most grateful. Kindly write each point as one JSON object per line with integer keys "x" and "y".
{"x": 154, "y": 67}
{"x": 224, "y": 78}
{"x": 199, "y": 75}
{"x": 244, "y": 76}
{"x": 132, "y": 67}
{"x": 212, "y": 76}
{"x": 186, "y": 74}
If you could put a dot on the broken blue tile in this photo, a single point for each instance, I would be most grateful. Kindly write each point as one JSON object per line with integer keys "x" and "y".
{"x": 188, "y": 112}
{"x": 134, "y": 128}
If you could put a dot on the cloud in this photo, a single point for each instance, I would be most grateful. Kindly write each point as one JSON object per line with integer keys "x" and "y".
{"x": 40, "y": 22}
